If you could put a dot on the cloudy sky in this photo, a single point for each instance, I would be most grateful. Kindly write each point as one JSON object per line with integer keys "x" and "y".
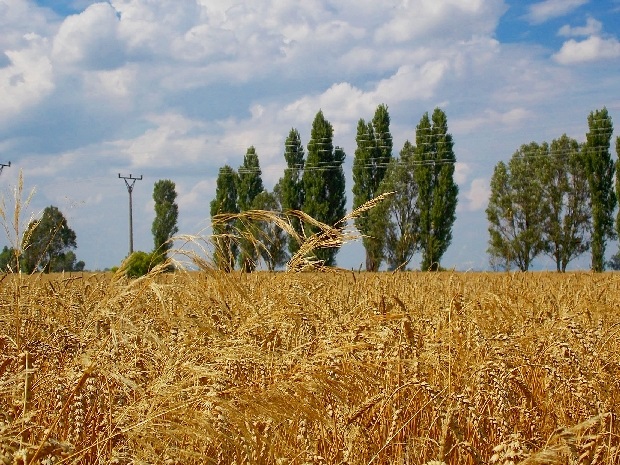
{"x": 176, "y": 89}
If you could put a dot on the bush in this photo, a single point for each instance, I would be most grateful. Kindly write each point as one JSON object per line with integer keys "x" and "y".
{"x": 138, "y": 264}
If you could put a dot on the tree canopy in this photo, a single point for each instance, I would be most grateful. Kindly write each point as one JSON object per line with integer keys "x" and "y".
{"x": 166, "y": 216}
{"x": 48, "y": 244}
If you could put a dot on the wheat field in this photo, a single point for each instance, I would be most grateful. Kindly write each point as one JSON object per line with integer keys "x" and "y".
{"x": 310, "y": 368}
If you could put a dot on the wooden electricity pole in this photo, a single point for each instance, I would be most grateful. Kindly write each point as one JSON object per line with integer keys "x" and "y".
{"x": 129, "y": 182}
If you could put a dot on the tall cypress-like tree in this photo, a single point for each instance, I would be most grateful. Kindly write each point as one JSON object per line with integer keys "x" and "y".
{"x": 225, "y": 201}
{"x": 249, "y": 186}
{"x": 438, "y": 193}
{"x": 324, "y": 181}
{"x": 565, "y": 187}
{"x": 166, "y": 217}
{"x": 372, "y": 156}
{"x": 600, "y": 170}
{"x": 290, "y": 186}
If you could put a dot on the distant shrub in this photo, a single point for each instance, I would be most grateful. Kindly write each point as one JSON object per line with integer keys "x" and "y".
{"x": 138, "y": 264}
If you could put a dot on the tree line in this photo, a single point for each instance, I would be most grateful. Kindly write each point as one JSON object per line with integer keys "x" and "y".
{"x": 48, "y": 242}
{"x": 557, "y": 200}
{"x": 417, "y": 216}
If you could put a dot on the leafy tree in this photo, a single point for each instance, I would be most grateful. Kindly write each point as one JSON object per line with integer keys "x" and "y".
{"x": 324, "y": 182}
{"x": 225, "y": 201}
{"x": 372, "y": 156}
{"x": 249, "y": 185}
{"x": 139, "y": 263}
{"x": 566, "y": 193}
{"x": 438, "y": 193}
{"x": 47, "y": 241}
{"x": 600, "y": 171}
{"x": 166, "y": 216}
{"x": 516, "y": 210}
{"x": 399, "y": 213}
{"x": 8, "y": 260}
{"x": 290, "y": 187}
{"x": 273, "y": 238}
{"x": 618, "y": 183}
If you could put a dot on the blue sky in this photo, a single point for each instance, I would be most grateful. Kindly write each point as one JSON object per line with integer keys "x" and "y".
{"x": 174, "y": 90}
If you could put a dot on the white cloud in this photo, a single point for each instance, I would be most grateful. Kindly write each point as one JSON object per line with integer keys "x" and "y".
{"x": 477, "y": 197}
{"x": 543, "y": 11}
{"x": 27, "y": 79}
{"x": 592, "y": 27}
{"x": 491, "y": 119}
{"x": 593, "y": 48}
{"x": 173, "y": 141}
{"x": 89, "y": 39}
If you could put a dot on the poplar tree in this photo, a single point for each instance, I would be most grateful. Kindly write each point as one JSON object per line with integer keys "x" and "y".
{"x": 372, "y": 156}
{"x": 517, "y": 211}
{"x": 225, "y": 201}
{"x": 291, "y": 186}
{"x": 437, "y": 192}
{"x": 273, "y": 238}
{"x": 600, "y": 171}
{"x": 566, "y": 193}
{"x": 249, "y": 186}
{"x": 399, "y": 213}
{"x": 166, "y": 216}
{"x": 324, "y": 182}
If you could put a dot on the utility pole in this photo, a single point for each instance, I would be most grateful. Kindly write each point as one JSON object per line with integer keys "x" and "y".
{"x": 3, "y": 165}
{"x": 129, "y": 182}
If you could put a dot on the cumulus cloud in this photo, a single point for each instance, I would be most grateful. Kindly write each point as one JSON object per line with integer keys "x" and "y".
{"x": 477, "y": 196}
{"x": 593, "y": 48}
{"x": 27, "y": 79}
{"x": 592, "y": 27}
{"x": 89, "y": 39}
{"x": 490, "y": 119}
{"x": 541, "y": 12}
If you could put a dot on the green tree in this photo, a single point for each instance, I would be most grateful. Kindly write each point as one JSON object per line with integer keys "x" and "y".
{"x": 249, "y": 186}
{"x": 600, "y": 171}
{"x": 139, "y": 263}
{"x": 290, "y": 187}
{"x": 8, "y": 260}
{"x": 516, "y": 210}
{"x": 566, "y": 193}
{"x": 166, "y": 217}
{"x": 437, "y": 192}
{"x": 399, "y": 213}
{"x": 224, "y": 231}
{"x": 372, "y": 156}
{"x": 47, "y": 241}
{"x": 272, "y": 237}
{"x": 324, "y": 182}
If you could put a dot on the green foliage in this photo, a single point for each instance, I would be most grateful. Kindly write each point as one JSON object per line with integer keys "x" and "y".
{"x": 437, "y": 192}
{"x": 399, "y": 216}
{"x": 618, "y": 183}
{"x": 47, "y": 242}
{"x": 272, "y": 238}
{"x": 324, "y": 182}
{"x": 372, "y": 156}
{"x": 249, "y": 186}
{"x": 516, "y": 210}
{"x": 566, "y": 228}
{"x": 225, "y": 201}
{"x": 166, "y": 216}
{"x": 138, "y": 264}
{"x": 600, "y": 171}
{"x": 290, "y": 187}
{"x": 9, "y": 260}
